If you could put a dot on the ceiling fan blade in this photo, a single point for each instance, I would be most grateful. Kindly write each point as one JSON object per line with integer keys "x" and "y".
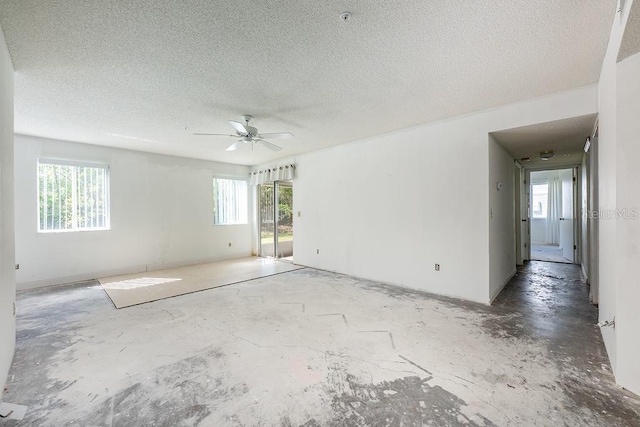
{"x": 269, "y": 145}
{"x": 235, "y": 145}
{"x": 216, "y": 134}
{"x": 276, "y": 135}
{"x": 239, "y": 127}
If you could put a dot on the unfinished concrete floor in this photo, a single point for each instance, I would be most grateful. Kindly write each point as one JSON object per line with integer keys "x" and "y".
{"x": 314, "y": 348}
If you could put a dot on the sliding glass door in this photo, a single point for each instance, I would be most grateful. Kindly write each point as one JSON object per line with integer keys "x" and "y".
{"x": 284, "y": 229}
{"x": 276, "y": 220}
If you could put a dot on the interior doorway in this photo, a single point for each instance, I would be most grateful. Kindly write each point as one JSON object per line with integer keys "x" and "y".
{"x": 276, "y": 220}
{"x": 552, "y": 216}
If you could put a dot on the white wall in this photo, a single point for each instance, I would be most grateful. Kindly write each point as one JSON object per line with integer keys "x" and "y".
{"x": 388, "y": 208}
{"x": 628, "y": 226}
{"x": 618, "y": 267}
{"x": 583, "y": 213}
{"x": 607, "y": 153}
{"x": 538, "y": 231}
{"x": 161, "y": 216}
{"x": 502, "y": 240}
{"x": 7, "y": 258}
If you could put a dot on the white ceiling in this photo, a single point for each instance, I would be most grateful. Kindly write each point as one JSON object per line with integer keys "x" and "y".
{"x": 544, "y": 175}
{"x": 566, "y": 138}
{"x": 87, "y": 70}
{"x": 630, "y": 44}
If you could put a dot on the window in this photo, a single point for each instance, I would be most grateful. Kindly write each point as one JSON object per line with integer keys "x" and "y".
{"x": 539, "y": 198}
{"x": 230, "y": 201}
{"x": 72, "y": 196}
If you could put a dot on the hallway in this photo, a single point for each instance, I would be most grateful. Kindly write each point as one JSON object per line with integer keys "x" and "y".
{"x": 549, "y": 302}
{"x": 314, "y": 348}
{"x": 551, "y": 253}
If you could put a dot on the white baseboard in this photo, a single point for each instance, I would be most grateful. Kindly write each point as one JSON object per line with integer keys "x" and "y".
{"x": 584, "y": 273}
{"x": 55, "y": 281}
{"x": 497, "y": 291}
{"x": 196, "y": 261}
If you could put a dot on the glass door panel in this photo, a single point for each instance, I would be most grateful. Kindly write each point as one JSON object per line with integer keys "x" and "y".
{"x": 284, "y": 231}
{"x": 266, "y": 220}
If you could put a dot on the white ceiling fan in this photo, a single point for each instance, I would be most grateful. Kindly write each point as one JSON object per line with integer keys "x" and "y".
{"x": 250, "y": 135}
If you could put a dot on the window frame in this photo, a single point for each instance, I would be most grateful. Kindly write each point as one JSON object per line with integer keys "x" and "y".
{"x": 245, "y": 220}
{"x": 77, "y": 164}
{"x": 544, "y": 213}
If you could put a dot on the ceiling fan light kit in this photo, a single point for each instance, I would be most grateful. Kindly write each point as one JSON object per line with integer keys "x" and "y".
{"x": 250, "y": 135}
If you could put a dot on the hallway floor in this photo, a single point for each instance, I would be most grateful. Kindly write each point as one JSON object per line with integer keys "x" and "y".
{"x": 318, "y": 349}
{"x": 552, "y": 253}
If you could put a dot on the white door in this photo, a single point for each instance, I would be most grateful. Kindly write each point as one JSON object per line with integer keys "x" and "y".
{"x": 517, "y": 212}
{"x": 567, "y": 219}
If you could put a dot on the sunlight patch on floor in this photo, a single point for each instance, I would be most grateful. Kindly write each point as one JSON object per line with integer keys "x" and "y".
{"x": 138, "y": 283}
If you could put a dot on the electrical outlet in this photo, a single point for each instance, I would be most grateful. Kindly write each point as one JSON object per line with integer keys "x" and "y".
{"x": 299, "y": 214}
{"x": 437, "y": 267}
{"x": 17, "y": 266}
{"x": 229, "y": 244}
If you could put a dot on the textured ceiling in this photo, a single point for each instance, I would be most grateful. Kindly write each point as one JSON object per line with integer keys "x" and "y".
{"x": 631, "y": 38}
{"x": 565, "y": 137}
{"x": 135, "y": 74}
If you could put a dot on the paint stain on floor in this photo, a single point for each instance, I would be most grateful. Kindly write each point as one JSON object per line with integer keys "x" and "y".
{"x": 408, "y": 401}
{"x": 311, "y": 348}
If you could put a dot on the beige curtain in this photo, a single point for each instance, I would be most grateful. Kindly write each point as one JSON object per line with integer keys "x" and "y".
{"x": 278, "y": 173}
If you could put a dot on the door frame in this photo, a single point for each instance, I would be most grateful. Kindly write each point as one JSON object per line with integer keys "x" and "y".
{"x": 593, "y": 205}
{"x": 520, "y": 208}
{"x": 577, "y": 234}
{"x": 275, "y": 186}
{"x": 526, "y": 195}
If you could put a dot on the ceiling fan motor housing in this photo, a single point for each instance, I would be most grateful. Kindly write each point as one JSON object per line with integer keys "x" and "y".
{"x": 249, "y": 135}
{"x": 251, "y": 131}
